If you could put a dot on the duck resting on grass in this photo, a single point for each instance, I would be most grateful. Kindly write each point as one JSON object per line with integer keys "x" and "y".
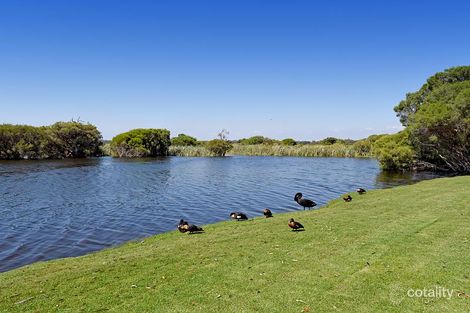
{"x": 295, "y": 226}
{"x": 184, "y": 227}
{"x": 348, "y": 198}
{"x": 267, "y": 213}
{"x": 306, "y": 203}
{"x": 360, "y": 191}
{"x": 239, "y": 216}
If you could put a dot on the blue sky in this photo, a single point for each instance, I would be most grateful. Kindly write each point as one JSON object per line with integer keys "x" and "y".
{"x": 301, "y": 69}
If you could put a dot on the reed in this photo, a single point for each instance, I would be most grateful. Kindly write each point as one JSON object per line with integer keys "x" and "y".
{"x": 189, "y": 151}
{"x": 308, "y": 150}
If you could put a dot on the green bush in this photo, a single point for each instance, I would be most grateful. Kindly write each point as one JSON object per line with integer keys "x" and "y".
{"x": 364, "y": 146}
{"x": 218, "y": 147}
{"x": 183, "y": 140}
{"x": 394, "y": 151}
{"x": 255, "y": 140}
{"x": 141, "y": 142}
{"x": 61, "y": 140}
{"x": 288, "y": 142}
{"x": 330, "y": 141}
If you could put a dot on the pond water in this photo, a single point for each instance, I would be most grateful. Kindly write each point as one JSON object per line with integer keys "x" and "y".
{"x": 53, "y": 209}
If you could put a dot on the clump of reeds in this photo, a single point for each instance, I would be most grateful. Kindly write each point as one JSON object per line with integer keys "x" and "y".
{"x": 189, "y": 151}
{"x": 307, "y": 150}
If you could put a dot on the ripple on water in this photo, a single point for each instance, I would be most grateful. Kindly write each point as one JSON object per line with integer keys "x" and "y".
{"x": 53, "y": 209}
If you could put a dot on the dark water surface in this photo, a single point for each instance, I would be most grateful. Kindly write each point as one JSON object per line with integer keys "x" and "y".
{"x": 53, "y": 209}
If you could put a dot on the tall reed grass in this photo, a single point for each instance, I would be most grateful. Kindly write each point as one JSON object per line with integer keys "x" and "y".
{"x": 189, "y": 151}
{"x": 308, "y": 150}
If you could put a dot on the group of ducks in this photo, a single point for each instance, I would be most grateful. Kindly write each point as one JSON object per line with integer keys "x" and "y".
{"x": 185, "y": 227}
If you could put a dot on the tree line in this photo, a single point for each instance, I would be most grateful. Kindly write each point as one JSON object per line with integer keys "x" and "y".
{"x": 61, "y": 140}
{"x": 436, "y": 134}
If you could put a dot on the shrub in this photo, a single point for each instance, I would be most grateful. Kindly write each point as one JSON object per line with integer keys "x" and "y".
{"x": 61, "y": 140}
{"x": 288, "y": 142}
{"x": 255, "y": 140}
{"x": 218, "y": 147}
{"x": 141, "y": 142}
{"x": 330, "y": 141}
{"x": 394, "y": 151}
{"x": 183, "y": 140}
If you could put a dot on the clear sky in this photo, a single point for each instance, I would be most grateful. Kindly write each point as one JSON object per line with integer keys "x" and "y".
{"x": 301, "y": 69}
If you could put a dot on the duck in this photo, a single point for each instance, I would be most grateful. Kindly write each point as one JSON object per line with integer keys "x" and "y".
{"x": 183, "y": 226}
{"x": 360, "y": 191}
{"x": 306, "y": 203}
{"x": 239, "y": 216}
{"x": 295, "y": 226}
{"x": 194, "y": 229}
{"x": 267, "y": 213}
{"x": 348, "y": 198}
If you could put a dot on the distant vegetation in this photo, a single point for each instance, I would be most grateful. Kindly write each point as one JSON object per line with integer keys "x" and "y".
{"x": 436, "y": 136}
{"x": 220, "y": 146}
{"x": 183, "y": 141}
{"x": 141, "y": 142}
{"x": 61, "y": 140}
{"x": 301, "y": 150}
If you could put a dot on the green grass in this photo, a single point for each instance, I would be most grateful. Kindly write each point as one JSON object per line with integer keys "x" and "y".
{"x": 360, "y": 256}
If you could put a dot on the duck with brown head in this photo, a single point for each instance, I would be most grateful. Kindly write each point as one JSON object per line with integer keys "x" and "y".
{"x": 295, "y": 226}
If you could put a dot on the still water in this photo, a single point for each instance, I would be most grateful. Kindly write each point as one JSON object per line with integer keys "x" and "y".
{"x": 54, "y": 209}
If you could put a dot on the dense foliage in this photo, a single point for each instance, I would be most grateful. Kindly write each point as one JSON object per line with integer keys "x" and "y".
{"x": 61, "y": 140}
{"x": 219, "y": 147}
{"x": 394, "y": 151}
{"x": 183, "y": 140}
{"x": 288, "y": 142}
{"x": 255, "y": 140}
{"x": 141, "y": 142}
{"x": 364, "y": 146}
{"x": 437, "y": 118}
{"x": 415, "y": 100}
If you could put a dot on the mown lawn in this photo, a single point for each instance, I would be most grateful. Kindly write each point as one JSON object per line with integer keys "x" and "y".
{"x": 361, "y": 256}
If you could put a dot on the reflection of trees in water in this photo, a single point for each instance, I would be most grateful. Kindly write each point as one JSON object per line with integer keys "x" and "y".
{"x": 10, "y": 167}
{"x": 396, "y": 178}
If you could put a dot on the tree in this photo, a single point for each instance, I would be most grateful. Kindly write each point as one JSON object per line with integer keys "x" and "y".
{"x": 220, "y": 146}
{"x": 415, "y": 100}
{"x": 255, "y": 140}
{"x": 288, "y": 142}
{"x": 440, "y": 130}
{"x": 75, "y": 139}
{"x": 330, "y": 141}
{"x": 437, "y": 117}
{"x": 183, "y": 140}
{"x": 141, "y": 142}
{"x": 62, "y": 140}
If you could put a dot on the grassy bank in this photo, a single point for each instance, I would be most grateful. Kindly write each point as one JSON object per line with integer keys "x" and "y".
{"x": 308, "y": 150}
{"x": 361, "y": 256}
